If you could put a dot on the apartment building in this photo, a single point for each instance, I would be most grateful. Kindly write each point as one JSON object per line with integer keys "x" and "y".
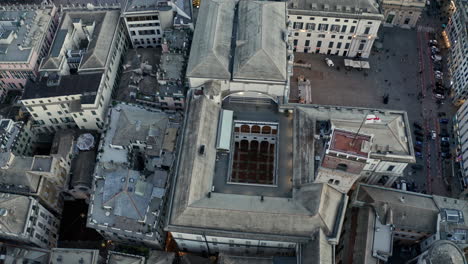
{"x": 344, "y": 28}
{"x": 16, "y": 137}
{"x": 457, "y": 36}
{"x": 24, "y": 220}
{"x": 26, "y": 33}
{"x": 132, "y": 176}
{"x": 460, "y": 129}
{"x": 243, "y": 46}
{"x": 80, "y": 72}
{"x": 147, "y": 20}
{"x": 402, "y": 13}
{"x": 41, "y": 176}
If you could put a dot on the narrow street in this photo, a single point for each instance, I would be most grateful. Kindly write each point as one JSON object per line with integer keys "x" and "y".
{"x": 438, "y": 180}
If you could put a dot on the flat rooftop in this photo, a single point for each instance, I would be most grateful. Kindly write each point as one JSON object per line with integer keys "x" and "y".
{"x": 350, "y": 143}
{"x": 14, "y": 211}
{"x": 85, "y": 85}
{"x": 339, "y": 7}
{"x": 29, "y": 35}
{"x": 42, "y": 163}
{"x": 136, "y": 6}
{"x": 70, "y": 255}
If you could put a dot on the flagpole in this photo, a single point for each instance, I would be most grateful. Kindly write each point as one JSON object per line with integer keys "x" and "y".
{"x": 355, "y": 135}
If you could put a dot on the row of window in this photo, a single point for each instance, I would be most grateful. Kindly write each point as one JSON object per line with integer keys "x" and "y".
{"x": 326, "y": 27}
{"x": 336, "y": 19}
{"x": 297, "y": 34}
{"x": 142, "y": 18}
{"x": 144, "y": 25}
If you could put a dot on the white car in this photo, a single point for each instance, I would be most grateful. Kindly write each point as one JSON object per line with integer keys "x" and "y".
{"x": 433, "y": 41}
{"x": 439, "y": 96}
{"x": 329, "y": 62}
{"x": 436, "y": 57}
{"x": 433, "y": 134}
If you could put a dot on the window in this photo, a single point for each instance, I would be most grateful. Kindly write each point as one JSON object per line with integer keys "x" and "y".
{"x": 353, "y": 28}
{"x": 323, "y": 27}
{"x": 312, "y": 18}
{"x": 324, "y": 19}
{"x": 49, "y": 114}
{"x": 310, "y": 26}
{"x": 361, "y": 46}
{"x": 333, "y": 36}
{"x": 93, "y": 112}
{"x": 341, "y": 37}
{"x": 390, "y": 168}
{"x": 53, "y": 120}
{"x": 338, "y": 45}
{"x": 298, "y": 25}
{"x": 319, "y": 44}
{"x": 342, "y": 167}
{"x": 299, "y": 17}
{"x": 307, "y": 43}
{"x": 367, "y": 30}
{"x": 44, "y": 108}
{"x": 330, "y": 181}
{"x": 407, "y": 20}
{"x": 59, "y": 112}
{"x": 343, "y": 28}
{"x": 321, "y": 36}
{"x": 330, "y": 44}
{"x": 296, "y": 34}
{"x": 35, "y": 115}
{"x": 349, "y": 38}
{"x": 337, "y": 20}
{"x": 370, "y": 22}
{"x": 335, "y": 28}
{"x": 84, "y": 120}
{"x": 308, "y": 34}
{"x": 295, "y": 42}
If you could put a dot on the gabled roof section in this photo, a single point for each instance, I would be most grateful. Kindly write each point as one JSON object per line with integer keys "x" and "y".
{"x": 261, "y": 49}
{"x": 211, "y": 45}
{"x": 406, "y": 210}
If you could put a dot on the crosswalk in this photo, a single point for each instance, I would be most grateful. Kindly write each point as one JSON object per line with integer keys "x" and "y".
{"x": 425, "y": 29}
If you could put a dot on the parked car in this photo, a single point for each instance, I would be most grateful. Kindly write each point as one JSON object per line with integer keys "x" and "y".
{"x": 418, "y": 133}
{"x": 444, "y": 121}
{"x": 433, "y": 134}
{"x": 446, "y": 155}
{"x": 329, "y": 62}
{"x": 420, "y": 139}
{"x": 417, "y": 125}
{"x": 419, "y": 143}
{"x": 434, "y": 50}
{"x": 445, "y": 139}
{"x": 417, "y": 167}
{"x": 439, "y": 96}
{"x": 436, "y": 57}
{"x": 433, "y": 42}
{"x": 444, "y": 144}
{"x": 440, "y": 114}
{"x": 418, "y": 154}
{"x": 417, "y": 149}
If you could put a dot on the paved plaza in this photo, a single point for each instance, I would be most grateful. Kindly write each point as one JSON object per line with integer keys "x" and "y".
{"x": 397, "y": 70}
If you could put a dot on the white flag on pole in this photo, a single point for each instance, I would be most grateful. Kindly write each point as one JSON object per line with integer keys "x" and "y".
{"x": 371, "y": 119}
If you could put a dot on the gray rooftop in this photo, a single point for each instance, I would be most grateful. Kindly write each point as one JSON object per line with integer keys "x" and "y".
{"x": 138, "y": 124}
{"x": 104, "y": 23}
{"x": 304, "y": 211}
{"x": 211, "y": 43}
{"x": 125, "y": 201}
{"x": 85, "y": 85}
{"x": 405, "y": 210}
{"x": 9, "y": 131}
{"x": 17, "y": 174}
{"x": 30, "y": 35}
{"x": 42, "y": 163}
{"x": 261, "y": 51}
{"x": 121, "y": 258}
{"x": 182, "y": 7}
{"x": 14, "y": 213}
{"x": 220, "y": 39}
{"x": 62, "y": 143}
{"x": 71, "y": 255}
{"x": 337, "y": 7}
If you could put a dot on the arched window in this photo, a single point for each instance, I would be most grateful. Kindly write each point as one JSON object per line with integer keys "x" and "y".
{"x": 342, "y": 167}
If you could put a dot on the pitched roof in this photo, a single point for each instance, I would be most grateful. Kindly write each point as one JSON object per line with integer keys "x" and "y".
{"x": 405, "y": 210}
{"x": 211, "y": 44}
{"x": 261, "y": 50}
